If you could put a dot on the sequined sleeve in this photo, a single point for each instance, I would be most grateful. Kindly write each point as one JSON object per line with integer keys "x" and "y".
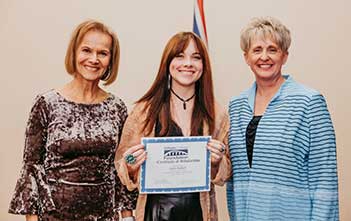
{"x": 32, "y": 194}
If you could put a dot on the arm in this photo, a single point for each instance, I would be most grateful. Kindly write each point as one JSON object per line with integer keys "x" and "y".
{"x": 130, "y": 144}
{"x": 32, "y": 192}
{"x": 221, "y": 169}
{"x": 31, "y": 218}
{"x": 322, "y": 168}
{"x": 125, "y": 200}
{"x": 230, "y": 198}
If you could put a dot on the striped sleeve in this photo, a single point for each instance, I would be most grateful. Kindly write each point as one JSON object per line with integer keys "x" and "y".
{"x": 230, "y": 197}
{"x": 322, "y": 174}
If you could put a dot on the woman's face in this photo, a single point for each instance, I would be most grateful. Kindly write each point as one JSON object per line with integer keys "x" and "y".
{"x": 186, "y": 67}
{"x": 93, "y": 56}
{"x": 265, "y": 58}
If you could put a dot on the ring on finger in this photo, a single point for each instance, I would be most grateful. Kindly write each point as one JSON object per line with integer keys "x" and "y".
{"x": 130, "y": 159}
{"x": 222, "y": 149}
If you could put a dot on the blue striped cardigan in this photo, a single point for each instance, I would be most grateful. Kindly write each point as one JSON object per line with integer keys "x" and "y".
{"x": 293, "y": 174}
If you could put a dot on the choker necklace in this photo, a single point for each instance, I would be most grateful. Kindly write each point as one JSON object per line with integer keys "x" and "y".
{"x": 184, "y": 101}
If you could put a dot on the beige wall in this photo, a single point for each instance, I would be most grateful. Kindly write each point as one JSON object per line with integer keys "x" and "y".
{"x": 34, "y": 36}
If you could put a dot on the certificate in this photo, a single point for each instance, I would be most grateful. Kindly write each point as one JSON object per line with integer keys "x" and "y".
{"x": 176, "y": 165}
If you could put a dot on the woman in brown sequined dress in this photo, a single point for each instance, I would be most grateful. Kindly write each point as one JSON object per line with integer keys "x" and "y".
{"x": 71, "y": 138}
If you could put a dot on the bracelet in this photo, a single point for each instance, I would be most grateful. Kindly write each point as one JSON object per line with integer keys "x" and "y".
{"x": 129, "y": 218}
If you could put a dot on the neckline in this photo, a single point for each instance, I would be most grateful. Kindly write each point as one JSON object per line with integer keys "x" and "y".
{"x": 182, "y": 99}
{"x": 251, "y": 92}
{"x": 83, "y": 104}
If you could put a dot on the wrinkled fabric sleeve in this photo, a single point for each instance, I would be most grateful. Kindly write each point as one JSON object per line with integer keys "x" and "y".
{"x": 125, "y": 199}
{"x": 131, "y": 136}
{"x": 322, "y": 167}
{"x": 32, "y": 194}
{"x": 224, "y": 168}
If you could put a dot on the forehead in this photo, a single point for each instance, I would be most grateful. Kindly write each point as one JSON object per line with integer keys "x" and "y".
{"x": 191, "y": 47}
{"x": 182, "y": 45}
{"x": 96, "y": 38}
{"x": 263, "y": 40}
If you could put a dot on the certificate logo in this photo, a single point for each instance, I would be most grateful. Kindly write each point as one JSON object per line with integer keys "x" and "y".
{"x": 175, "y": 153}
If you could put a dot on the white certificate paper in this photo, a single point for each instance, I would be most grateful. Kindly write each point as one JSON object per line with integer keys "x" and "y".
{"x": 176, "y": 165}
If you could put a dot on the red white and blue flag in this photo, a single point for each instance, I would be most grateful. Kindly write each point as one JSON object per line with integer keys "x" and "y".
{"x": 199, "y": 26}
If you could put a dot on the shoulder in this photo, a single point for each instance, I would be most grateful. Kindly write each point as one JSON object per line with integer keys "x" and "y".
{"x": 221, "y": 126}
{"x": 44, "y": 99}
{"x": 117, "y": 101}
{"x": 293, "y": 88}
{"x": 243, "y": 96}
{"x": 299, "y": 93}
{"x": 136, "y": 118}
{"x": 220, "y": 111}
{"x": 221, "y": 115}
{"x": 140, "y": 108}
{"x": 47, "y": 96}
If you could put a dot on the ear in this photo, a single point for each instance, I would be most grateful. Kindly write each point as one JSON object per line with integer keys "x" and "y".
{"x": 246, "y": 58}
{"x": 285, "y": 58}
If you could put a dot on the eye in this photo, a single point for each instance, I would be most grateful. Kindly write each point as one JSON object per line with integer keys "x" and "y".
{"x": 180, "y": 55}
{"x": 104, "y": 53}
{"x": 85, "y": 50}
{"x": 257, "y": 50}
{"x": 197, "y": 57}
{"x": 273, "y": 50}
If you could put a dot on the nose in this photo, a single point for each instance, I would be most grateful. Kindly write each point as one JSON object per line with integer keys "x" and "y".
{"x": 264, "y": 56}
{"x": 188, "y": 62}
{"x": 94, "y": 58}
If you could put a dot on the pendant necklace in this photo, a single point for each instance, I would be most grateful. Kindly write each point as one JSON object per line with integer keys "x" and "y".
{"x": 183, "y": 100}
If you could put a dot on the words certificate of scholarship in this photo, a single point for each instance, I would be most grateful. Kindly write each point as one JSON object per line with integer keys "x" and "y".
{"x": 176, "y": 165}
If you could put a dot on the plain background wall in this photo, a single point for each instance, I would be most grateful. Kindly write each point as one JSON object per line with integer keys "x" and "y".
{"x": 34, "y": 36}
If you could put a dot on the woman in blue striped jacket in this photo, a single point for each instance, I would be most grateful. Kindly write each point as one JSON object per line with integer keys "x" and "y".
{"x": 282, "y": 141}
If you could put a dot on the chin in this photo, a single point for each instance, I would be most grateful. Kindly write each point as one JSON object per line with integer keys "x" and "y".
{"x": 266, "y": 76}
{"x": 91, "y": 78}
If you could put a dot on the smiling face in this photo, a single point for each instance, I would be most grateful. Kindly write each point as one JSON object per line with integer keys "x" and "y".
{"x": 265, "y": 58}
{"x": 186, "y": 67}
{"x": 93, "y": 56}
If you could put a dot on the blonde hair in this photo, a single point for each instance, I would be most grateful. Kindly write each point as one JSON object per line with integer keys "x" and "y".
{"x": 266, "y": 27}
{"x": 77, "y": 37}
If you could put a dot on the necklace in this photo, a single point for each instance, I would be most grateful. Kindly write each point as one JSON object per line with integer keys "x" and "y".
{"x": 183, "y": 100}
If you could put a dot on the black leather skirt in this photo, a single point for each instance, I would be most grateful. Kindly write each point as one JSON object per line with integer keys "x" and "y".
{"x": 173, "y": 207}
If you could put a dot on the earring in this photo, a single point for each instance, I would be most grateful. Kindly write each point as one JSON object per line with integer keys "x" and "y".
{"x": 169, "y": 82}
{"x": 107, "y": 74}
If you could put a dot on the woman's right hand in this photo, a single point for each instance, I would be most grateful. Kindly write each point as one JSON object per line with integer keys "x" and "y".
{"x": 139, "y": 153}
{"x": 31, "y": 218}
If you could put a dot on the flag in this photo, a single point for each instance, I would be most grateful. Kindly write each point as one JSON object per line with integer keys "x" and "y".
{"x": 199, "y": 26}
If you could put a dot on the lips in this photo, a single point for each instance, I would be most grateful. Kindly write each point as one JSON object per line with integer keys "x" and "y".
{"x": 265, "y": 66}
{"x": 90, "y": 68}
{"x": 186, "y": 71}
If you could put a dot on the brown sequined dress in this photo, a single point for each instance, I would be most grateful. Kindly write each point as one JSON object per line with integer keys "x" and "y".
{"x": 68, "y": 171}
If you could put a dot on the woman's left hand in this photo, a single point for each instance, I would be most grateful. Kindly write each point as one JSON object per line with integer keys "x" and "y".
{"x": 217, "y": 149}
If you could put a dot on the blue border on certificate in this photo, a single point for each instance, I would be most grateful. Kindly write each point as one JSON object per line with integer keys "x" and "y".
{"x": 206, "y": 187}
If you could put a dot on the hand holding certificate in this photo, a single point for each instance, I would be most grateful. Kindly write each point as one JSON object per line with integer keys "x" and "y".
{"x": 176, "y": 164}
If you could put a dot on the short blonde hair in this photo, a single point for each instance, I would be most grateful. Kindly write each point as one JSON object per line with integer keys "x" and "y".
{"x": 76, "y": 39}
{"x": 266, "y": 27}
